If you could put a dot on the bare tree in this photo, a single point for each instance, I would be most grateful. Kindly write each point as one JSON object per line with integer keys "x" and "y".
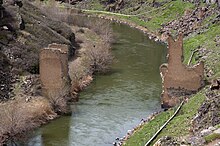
{"x": 102, "y": 28}
{"x": 77, "y": 72}
{"x": 99, "y": 57}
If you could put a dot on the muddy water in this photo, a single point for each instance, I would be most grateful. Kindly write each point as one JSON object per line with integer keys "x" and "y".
{"x": 113, "y": 103}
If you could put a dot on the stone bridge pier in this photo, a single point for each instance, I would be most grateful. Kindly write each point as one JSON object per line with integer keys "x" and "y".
{"x": 177, "y": 78}
{"x": 54, "y": 70}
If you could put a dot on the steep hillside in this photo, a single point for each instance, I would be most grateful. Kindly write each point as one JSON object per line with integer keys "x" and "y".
{"x": 25, "y": 29}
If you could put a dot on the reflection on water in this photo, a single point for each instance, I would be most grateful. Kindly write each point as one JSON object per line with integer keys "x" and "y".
{"x": 114, "y": 103}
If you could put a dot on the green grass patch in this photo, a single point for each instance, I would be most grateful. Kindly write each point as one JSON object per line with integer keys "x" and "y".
{"x": 185, "y": 115}
{"x": 206, "y": 40}
{"x": 148, "y": 130}
{"x": 158, "y": 16}
{"x": 187, "y": 112}
{"x": 170, "y": 11}
{"x": 217, "y": 126}
{"x": 211, "y": 137}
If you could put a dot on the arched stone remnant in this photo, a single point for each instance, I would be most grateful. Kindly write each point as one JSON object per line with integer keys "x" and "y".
{"x": 177, "y": 78}
{"x": 54, "y": 69}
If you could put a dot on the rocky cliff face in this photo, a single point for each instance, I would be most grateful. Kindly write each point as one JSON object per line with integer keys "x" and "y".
{"x": 24, "y": 30}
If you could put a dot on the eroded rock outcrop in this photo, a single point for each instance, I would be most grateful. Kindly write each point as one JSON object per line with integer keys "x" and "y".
{"x": 208, "y": 113}
{"x": 115, "y": 5}
{"x": 190, "y": 22}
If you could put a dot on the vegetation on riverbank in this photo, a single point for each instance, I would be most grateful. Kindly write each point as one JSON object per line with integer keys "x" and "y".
{"x": 178, "y": 127}
{"x": 44, "y": 24}
{"x": 93, "y": 39}
{"x": 153, "y": 19}
{"x": 204, "y": 39}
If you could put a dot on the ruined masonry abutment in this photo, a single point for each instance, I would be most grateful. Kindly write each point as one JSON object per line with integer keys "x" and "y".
{"x": 54, "y": 69}
{"x": 177, "y": 78}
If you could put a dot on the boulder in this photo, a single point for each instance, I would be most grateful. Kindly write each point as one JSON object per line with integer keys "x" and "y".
{"x": 215, "y": 84}
{"x": 167, "y": 141}
{"x": 213, "y": 1}
{"x": 217, "y": 131}
{"x": 205, "y": 132}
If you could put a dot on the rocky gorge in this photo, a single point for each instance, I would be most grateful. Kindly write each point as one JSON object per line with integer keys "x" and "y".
{"x": 196, "y": 25}
{"x": 26, "y": 28}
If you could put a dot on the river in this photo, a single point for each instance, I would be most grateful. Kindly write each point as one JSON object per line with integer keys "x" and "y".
{"x": 113, "y": 103}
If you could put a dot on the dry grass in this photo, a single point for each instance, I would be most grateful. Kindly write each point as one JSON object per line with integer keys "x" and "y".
{"x": 13, "y": 121}
{"x": 99, "y": 26}
{"x": 58, "y": 100}
{"x": 102, "y": 28}
{"x": 52, "y": 10}
{"x": 19, "y": 117}
{"x": 77, "y": 72}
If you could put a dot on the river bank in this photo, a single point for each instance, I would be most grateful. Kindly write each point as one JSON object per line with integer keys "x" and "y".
{"x": 151, "y": 35}
{"x": 118, "y": 18}
{"x": 210, "y": 50}
{"x": 200, "y": 35}
{"x": 27, "y": 109}
{"x": 116, "y": 101}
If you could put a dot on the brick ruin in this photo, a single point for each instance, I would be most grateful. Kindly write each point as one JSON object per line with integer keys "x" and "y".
{"x": 177, "y": 78}
{"x": 54, "y": 69}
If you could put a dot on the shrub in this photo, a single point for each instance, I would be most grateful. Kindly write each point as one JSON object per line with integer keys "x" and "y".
{"x": 99, "y": 58}
{"x": 77, "y": 71}
{"x": 102, "y": 28}
{"x": 212, "y": 137}
{"x": 58, "y": 100}
{"x": 77, "y": 20}
{"x": 14, "y": 122}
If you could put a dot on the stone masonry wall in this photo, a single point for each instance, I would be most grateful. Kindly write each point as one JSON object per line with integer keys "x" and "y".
{"x": 178, "y": 79}
{"x": 54, "y": 69}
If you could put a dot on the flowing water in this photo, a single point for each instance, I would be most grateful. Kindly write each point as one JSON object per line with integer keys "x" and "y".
{"x": 113, "y": 103}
